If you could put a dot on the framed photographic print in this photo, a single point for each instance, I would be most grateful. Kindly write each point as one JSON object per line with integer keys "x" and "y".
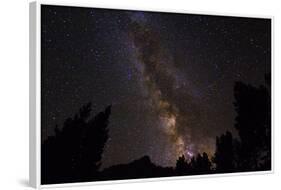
{"x": 120, "y": 95}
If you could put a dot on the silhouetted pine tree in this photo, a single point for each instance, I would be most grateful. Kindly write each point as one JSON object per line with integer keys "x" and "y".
{"x": 253, "y": 122}
{"x": 74, "y": 153}
{"x": 224, "y": 157}
{"x": 201, "y": 164}
{"x": 182, "y": 166}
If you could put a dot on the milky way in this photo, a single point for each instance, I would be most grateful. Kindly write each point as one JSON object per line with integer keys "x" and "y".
{"x": 159, "y": 80}
{"x": 169, "y": 77}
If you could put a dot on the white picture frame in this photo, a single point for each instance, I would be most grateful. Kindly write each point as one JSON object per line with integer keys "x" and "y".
{"x": 35, "y": 94}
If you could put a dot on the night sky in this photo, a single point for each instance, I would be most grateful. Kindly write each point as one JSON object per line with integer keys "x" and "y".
{"x": 169, "y": 77}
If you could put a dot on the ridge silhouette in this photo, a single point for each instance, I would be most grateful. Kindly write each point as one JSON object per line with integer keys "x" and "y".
{"x": 74, "y": 153}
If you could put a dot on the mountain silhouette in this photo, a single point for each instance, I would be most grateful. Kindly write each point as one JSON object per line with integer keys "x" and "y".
{"x": 74, "y": 153}
{"x": 140, "y": 168}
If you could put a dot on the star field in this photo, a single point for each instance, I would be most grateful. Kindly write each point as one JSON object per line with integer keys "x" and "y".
{"x": 169, "y": 77}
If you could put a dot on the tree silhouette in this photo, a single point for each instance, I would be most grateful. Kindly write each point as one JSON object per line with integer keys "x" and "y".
{"x": 182, "y": 166}
{"x": 74, "y": 153}
{"x": 203, "y": 164}
{"x": 224, "y": 155}
{"x": 94, "y": 139}
{"x": 200, "y": 164}
{"x": 253, "y": 123}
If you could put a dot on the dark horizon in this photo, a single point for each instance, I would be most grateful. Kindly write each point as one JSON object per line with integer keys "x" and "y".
{"x": 171, "y": 79}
